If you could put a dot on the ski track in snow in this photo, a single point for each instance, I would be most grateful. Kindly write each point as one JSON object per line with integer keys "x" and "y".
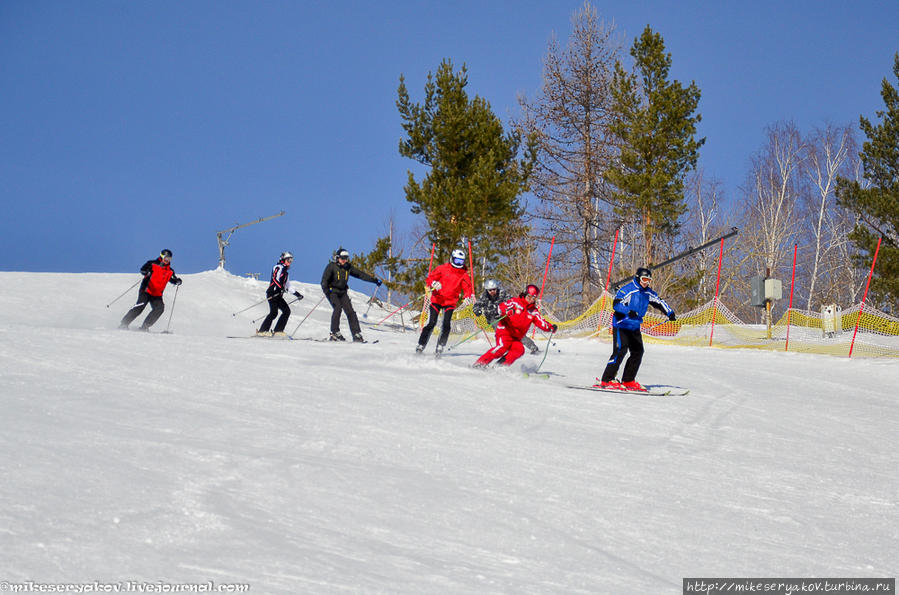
{"x": 313, "y": 467}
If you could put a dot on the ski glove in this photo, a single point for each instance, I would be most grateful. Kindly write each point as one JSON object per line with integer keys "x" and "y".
{"x": 298, "y": 294}
{"x": 176, "y": 281}
{"x": 378, "y": 282}
{"x": 672, "y": 317}
{"x": 435, "y": 285}
{"x": 632, "y": 314}
{"x": 555, "y": 327}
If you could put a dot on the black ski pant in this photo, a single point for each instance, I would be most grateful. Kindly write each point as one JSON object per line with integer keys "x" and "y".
{"x": 624, "y": 340}
{"x": 433, "y": 314}
{"x": 276, "y": 304}
{"x": 144, "y": 298}
{"x": 342, "y": 304}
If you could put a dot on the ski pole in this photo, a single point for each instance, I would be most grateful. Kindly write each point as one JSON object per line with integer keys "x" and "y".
{"x": 250, "y": 307}
{"x": 288, "y": 303}
{"x": 468, "y": 338}
{"x": 403, "y": 307}
{"x": 307, "y": 316}
{"x": 545, "y": 351}
{"x": 472, "y": 335}
{"x": 172, "y": 311}
{"x": 371, "y": 300}
{"x": 124, "y": 292}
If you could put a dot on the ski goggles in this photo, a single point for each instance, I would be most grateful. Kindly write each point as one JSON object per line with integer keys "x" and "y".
{"x": 645, "y": 279}
{"x": 459, "y": 262}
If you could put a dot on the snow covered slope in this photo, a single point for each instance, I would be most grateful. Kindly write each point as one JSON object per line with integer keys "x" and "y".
{"x": 308, "y": 467}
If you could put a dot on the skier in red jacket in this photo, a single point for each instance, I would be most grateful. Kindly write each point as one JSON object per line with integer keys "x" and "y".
{"x": 157, "y": 273}
{"x": 517, "y": 316}
{"x": 445, "y": 283}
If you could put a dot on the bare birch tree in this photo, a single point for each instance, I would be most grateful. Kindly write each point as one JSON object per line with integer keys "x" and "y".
{"x": 830, "y": 153}
{"x": 772, "y": 196}
{"x": 570, "y": 119}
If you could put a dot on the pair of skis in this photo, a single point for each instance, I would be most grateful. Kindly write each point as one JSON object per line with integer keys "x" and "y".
{"x": 652, "y": 390}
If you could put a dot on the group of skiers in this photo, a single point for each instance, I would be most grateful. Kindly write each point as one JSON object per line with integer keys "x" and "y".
{"x": 510, "y": 317}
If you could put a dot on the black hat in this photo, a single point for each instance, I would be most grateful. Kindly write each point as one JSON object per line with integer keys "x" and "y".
{"x": 643, "y": 272}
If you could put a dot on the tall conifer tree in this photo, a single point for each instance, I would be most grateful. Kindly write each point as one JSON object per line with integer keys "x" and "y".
{"x": 877, "y": 205}
{"x": 655, "y": 129}
{"x": 475, "y": 175}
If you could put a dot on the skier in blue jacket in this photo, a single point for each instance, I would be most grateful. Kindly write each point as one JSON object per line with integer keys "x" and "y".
{"x": 630, "y": 304}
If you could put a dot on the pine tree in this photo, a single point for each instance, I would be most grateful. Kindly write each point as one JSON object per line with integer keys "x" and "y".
{"x": 475, "y": 176}
{"x": 877, "y": 203}
{"x": 655, "y": 129}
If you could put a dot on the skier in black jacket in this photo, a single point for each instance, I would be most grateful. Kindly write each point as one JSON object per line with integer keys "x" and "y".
{"x": 157, "y": 274}
{"x": 334, "y": 284}
{"x": 277, "y": 287}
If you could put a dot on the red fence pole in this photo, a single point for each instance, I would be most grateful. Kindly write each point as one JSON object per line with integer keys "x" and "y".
{"x": 792, "y": 286}
{"x": 602, "y": 304}
{"x": 545, "y": 273}
{"x": 864, "y": 297}
{"x": 717, "y": 287}
{"x": 421, "y": 317}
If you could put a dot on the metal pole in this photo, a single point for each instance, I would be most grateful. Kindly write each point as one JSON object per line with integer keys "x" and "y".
{"x": 123, "y": 293}
{"x": 864, "y": 297}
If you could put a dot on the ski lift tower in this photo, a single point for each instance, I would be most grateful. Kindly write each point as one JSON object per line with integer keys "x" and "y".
{"x": 224, "y": 241}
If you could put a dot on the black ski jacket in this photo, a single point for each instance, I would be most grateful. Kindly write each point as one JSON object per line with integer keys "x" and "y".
{"x": 489, "y": 307}
{"x": 336, "y": 277}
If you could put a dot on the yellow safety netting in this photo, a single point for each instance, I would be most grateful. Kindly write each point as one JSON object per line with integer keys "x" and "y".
{"x": 828, "y": 332}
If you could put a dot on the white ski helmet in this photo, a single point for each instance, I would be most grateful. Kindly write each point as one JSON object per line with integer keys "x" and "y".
{"x": 491, "y": 284}
{"x": 458, "y": 258}
{"x": 286, "y": 256}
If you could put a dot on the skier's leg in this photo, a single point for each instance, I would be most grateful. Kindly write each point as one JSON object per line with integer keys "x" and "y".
{"x": 496, "y": 352}
{"x": 158, "y": 308}
{"x": 635, "y": 345}
{"x": 433, "y": 313}
{"x": 446, "y": 326}
{"x": 337, "y": 306}
{"x": 351, "y": 317}
{"x": 142, "y": 298}
{"x": 618, "y": 352}
{"x": 285, "y": 314}
{"x": 272, "y": 313}
{"x": 516, "y": 350}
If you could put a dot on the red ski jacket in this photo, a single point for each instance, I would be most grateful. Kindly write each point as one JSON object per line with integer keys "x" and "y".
{"x": 519, "y": 315}
{"x": 452, "y": 281}
{"x": 157, "y": 274}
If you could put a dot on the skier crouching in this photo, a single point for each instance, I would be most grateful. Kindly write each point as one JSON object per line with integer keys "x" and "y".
{"x": 488, "y": 307}
{"x": 517, "y": 316}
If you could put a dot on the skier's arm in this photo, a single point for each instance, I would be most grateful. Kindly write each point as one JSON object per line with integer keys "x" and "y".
{"x": 147, "y": 268}
{"x": 326, "y": 281}
{"x": 362, "y": 275}
{"x": 659, "y": 304}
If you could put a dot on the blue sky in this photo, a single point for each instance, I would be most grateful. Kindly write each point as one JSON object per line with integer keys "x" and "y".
{"x": 130, "y": 126}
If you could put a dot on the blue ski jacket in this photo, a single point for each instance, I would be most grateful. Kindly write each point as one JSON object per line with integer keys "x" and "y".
{"x": 631, "y": 302}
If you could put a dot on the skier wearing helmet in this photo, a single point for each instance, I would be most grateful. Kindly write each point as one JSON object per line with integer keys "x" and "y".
{"x": 517, "y": 316}
{"x": 335, "y": 281}
{"x": 445, "y": 283}
{"x": 277, "y": 287}
{"x": 157, "y": 274}
{"x": 488, "y": 307}
{"x": 630, "y": 305}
